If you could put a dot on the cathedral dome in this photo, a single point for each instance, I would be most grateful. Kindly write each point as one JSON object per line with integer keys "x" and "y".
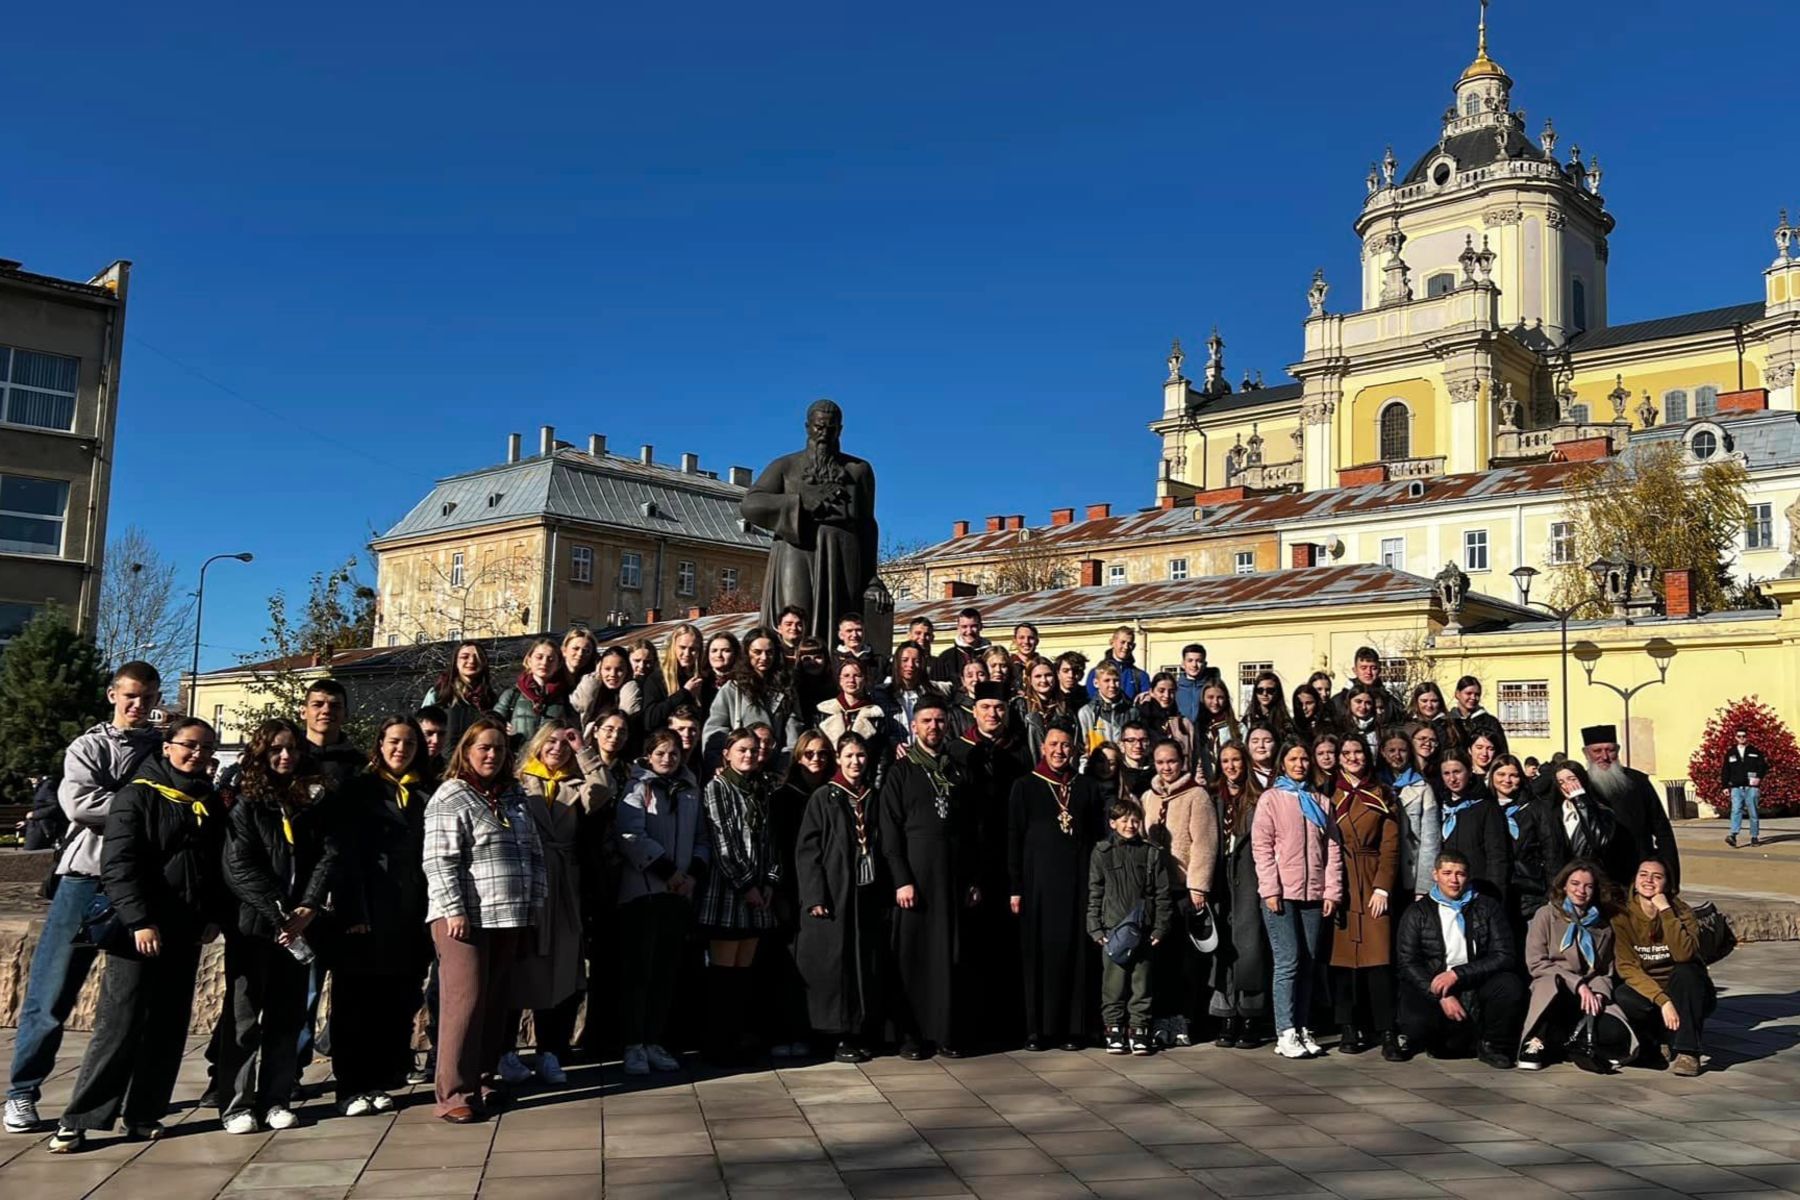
{"x": 1474, "y": 149}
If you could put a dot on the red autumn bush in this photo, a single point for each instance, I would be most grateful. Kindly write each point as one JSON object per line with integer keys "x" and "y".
{"x": 1768, "y": 733}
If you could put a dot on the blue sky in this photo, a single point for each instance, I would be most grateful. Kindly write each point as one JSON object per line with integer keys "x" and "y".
{"x": 395, "y": 233}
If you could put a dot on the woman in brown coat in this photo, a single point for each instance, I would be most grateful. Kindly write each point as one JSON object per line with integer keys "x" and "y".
{"x": 1179, "y": 816}
{"x": 1368, "y": 822}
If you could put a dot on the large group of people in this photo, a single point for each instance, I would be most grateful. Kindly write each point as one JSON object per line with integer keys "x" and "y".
{"x": 770, "y": 845}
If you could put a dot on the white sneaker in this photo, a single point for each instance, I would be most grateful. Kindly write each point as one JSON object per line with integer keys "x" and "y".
{"x": 636, "y": 1061}
{"x": 356, "y": 1106}
{"x": 661, "y": 1059}
{"x": 513, "y": 1070}
{"x": 21, "y": 1116}
{"x": 381, "y": 1102}
{"x": 550, "y": 1070}
{"x": 1312, "y": 1047}
{"x": 1289, "y": 1045}
{"x": 241, "y": 1122}
{"x": 280, "y": 1118}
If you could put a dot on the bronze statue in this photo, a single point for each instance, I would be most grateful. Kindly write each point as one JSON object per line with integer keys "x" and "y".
{"x": 819, "y": 503}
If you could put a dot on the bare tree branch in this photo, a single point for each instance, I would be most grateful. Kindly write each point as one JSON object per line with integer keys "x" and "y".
{"x": 143, "y": 614}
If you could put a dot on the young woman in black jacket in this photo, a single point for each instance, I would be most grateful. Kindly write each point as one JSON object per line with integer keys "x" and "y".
{"x": 159, "y": 865}
{"x": 1474, "y": 825}
{"x": 280, "y": 859}
{"x": 378, "y": 967}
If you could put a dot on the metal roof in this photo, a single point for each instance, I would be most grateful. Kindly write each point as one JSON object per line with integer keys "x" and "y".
{"x": 1667, "y": 327}
{"x": 1767, "y": 438}
{"x": 1302, "y": 587}
{"x": 1477, "y": 148}
{"x": 1280, "y": 393}
{"x": 575, "y": 486}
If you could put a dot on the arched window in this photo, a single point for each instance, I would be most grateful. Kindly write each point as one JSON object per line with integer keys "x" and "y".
{"x": 1706, "y": 401}
{"x": 1472, "y": 105}
{"x": 1396, "y": 432}
{"x": 1441, "y": 284}
{"x": 1578, "y": 306}
{"x": 1675, "y": 410}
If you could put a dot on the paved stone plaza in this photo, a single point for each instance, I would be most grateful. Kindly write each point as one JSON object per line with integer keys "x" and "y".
{"x": 1193, "y": 1123}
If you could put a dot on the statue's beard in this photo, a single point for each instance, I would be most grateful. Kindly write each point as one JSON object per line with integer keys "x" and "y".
{"x": 823, "y": 462}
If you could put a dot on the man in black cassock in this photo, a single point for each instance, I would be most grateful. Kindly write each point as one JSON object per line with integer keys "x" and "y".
{"x": 928, "y": 840}
{"x": 993, "y": 758}
{"x": 1641, "y": 823}
{"x": 819, "y": 503}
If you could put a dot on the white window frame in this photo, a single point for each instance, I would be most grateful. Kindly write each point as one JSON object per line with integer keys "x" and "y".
{"x": 1178, "y": 570}
{"x": 581, "y": 564}
{"x": 1706, "y": 401}
{"x": 687, "y": 577}
{"x": 903, "y": 592}
{"x": 23, "y": 394}
{"x": 59, "y": 520}
{"x": 1562, "y": 543}
{"x": 1578, "y": 414}
{"x": 1671, "y": 398}
{"x": 1473, "y": 540}
{"x": 1244, "y": 562}
{"x": 631, "y": 569}
{"x": 1115, "y": 575}
{"x": 1393, "y": 552}
{"x": 1247, "y": 673}
{"x": 728, "y": 579}
{"x": 457, "y": 571}
{"x": 1523, "y": 707}
{"x": 1440, "y": 283}
{"x": 1381, "y": 454}
{"x": 455, "y": 633}
{"x": 1759, "y": 527}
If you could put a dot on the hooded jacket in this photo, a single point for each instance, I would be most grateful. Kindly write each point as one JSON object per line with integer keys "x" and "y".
{"x": 279, "y": 858}
{"x": 160, "y": 857}
{"x": 96, "y": 765}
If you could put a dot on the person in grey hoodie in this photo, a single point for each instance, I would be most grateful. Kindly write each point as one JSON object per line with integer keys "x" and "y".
{"x": 96, "y": 765}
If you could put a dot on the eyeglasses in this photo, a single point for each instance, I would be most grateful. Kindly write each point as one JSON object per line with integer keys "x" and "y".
{"x": 1130, "y": 740}
{"x": 1265, "y": 691}
{"x": 194, "y": 747}
{"x": 813, "y": 754}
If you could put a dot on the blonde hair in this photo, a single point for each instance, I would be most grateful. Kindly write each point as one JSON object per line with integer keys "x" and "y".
{"x": 545, "y": 732}
{"x": 671, "y": 673}
{"x": 578, "y": 632}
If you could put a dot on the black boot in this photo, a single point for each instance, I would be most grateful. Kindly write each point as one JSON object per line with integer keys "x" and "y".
{"x": 1350, "y": 1040}
{"x": 1392, "y": 1050}
{"x": 1229, "y": 1033}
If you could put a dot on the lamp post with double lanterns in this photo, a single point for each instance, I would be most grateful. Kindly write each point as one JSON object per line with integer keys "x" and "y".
{"x": 199, "y": 609}
{"x": 1613, "y": 579}
{"x": 1661, "y": 652}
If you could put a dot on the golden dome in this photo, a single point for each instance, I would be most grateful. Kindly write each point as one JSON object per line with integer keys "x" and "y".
{"x": 1484, "y": 68}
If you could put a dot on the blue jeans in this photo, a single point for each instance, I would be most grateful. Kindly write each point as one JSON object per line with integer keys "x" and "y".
{"x": 58, "y": 969}
{"x": 1743, "y": 800}
{"x": 1296, "y": 940}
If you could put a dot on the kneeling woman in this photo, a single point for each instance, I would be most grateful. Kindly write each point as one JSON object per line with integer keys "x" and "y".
{"x": 1569, "y": 955}
{"x": 1663, "y": 981}
{"x": 484, "y": 872}
{"x": 160, "y": 869}
{"x": 842, "y": 945}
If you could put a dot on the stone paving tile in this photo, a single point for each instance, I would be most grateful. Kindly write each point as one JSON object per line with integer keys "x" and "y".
{"x": 922, "y": 1181}
{"x": 179, "y": 1181}
{"x": 1724, "y": 1153}
{"x": 1451, "y": 1164}
{"x": 1374, "y": 1185}
{"x": 1514, "y": 1154}
{"x": 1027, "y": 1187}
{"x": 1272, "y": 1180}
{"x": 258, "y": 1176}
{"x": 1090, "y": 1168}
{"x": 440, "y": 1181}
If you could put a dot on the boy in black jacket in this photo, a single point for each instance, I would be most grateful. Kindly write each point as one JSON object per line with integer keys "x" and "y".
{"x": 1743, "y": 773}
{"x": 1459, "y": 969}
{"x": 1126, "y": 875}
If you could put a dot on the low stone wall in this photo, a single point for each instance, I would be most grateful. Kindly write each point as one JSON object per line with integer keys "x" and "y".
{"x": 18, "y": 942}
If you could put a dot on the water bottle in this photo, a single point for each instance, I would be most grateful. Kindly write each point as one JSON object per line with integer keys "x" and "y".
{"x": 301, "y": 950}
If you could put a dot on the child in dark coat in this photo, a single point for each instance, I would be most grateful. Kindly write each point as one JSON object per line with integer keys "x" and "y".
{"x": 1127, "y": 878}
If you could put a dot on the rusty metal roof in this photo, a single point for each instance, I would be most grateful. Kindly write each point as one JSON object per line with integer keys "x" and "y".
{"x": 1303, "y": 587}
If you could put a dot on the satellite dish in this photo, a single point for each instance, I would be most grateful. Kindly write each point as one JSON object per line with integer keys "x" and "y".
{"x": 1334, "y": 545}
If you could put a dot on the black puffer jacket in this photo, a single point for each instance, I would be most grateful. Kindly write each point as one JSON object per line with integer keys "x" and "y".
{"x": 1482, "y": 836}
{"x": 381, "y": 873}
{"x": 1420, "y": 954}
{"x": 159, "y": 859}
{"x": 1526, "y": 891}
{"x": 272, "y": 875}
{"x": 336, "y": 764}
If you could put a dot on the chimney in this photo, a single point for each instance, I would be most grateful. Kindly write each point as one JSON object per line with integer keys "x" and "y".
{"x": 1678, "y": 594}
{"x": 647, "y": 454}
{"x": 1305, "y": 554}
{"x": 996, "y": 524}
{"x": 597, "y": 445}
{"x": 1016, "y": 521}
{"x": 1753, "y": 400}
{"x": 546, "y": 440}
{"x": 1099, "y": 512}
{"x": 740, "y": 477}
{"x": 690, "y": 464}
{"x": 958, "y": 589}
{"x": 652, "y": 615}
{"x": 1062, "y": 516}
{"x": 1165, "y": 503}
{"x": 512, "y": 447}
{"x": 959, "y": 530}
{"x": 696, "y": 611}
{"x": 1090, "y": 572}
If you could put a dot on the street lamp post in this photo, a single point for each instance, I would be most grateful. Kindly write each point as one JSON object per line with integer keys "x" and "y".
{"x": 1522, "y": 576}
{"x": 1661, "y": 652}
{"x": 200, "y": 608}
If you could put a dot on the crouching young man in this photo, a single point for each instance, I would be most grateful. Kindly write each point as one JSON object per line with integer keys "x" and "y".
{"x": 1460, "y": 986}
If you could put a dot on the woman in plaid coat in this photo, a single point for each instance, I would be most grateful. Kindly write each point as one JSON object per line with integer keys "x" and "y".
{"x": 737, "y": 904}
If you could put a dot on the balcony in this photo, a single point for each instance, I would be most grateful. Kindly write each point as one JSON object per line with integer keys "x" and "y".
{"x": 1269, "y": 476}
{"x": 1416, "y": 468}
{"x": 1511, "y": 445}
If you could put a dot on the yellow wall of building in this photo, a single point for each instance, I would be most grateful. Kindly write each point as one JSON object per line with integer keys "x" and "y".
{"x": 1360, "y": 429}
{"x": 500, "y": 593}
{"x": 1659, "y": 376}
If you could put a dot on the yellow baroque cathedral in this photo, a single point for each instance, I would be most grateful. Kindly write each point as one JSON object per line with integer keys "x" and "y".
{"x": 1481, "y": 339}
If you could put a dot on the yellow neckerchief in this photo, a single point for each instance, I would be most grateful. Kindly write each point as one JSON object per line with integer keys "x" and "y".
{"x": 400, "y": 785}
{"x": 538, "y": 770}
{"x": 177, "y": 796}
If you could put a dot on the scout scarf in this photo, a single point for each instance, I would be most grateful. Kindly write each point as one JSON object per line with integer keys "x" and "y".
{"x": 1403, "y": 778}
{"x": 401, "y": 785}
{"x": 1512, "y": 816}
{"x": 1309, "y": 802}
{"x": 1452, "y": 811}
{"x": 1456, "y": 905}
{"x": 177, "y": 796}
{"x": 858, "y": 795}
{"x": 1061, "y": 787}
{"x": 492, "y": 795}
{"x": 537, "y": 770}
{"x": 541, "y": 696}
{"x": 933, "y": 766}
{"x": 1581, "y": 920}
{"x": 1362, "y": 790}
{"x": 751, "y": 788}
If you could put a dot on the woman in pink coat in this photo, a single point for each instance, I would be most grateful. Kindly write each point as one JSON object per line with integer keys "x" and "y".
{"x": 1300, "y": 876}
